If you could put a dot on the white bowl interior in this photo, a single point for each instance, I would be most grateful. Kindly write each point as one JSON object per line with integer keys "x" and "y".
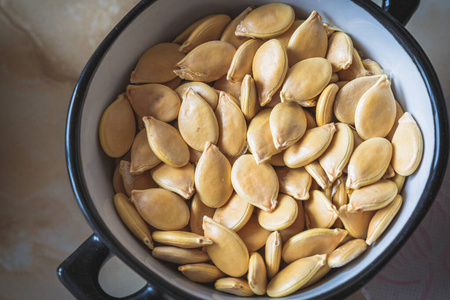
{"x": 161, "y": 22}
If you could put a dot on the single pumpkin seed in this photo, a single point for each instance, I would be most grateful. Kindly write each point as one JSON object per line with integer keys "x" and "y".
{"x": 232, "y": 88}
{"x": 161, "y": 209}
{"x": 318, "y": 173}
{"x": 319, "y": 211}
{"x": 202, "y": 89}
{"x": 369, "y": 162}
{"x": 228, "y": 34}
{"x": 142, "y": 156}
{"x": 308, "y": 40}
{"x": 177, "y": 180}
{"x": 339, "y": 194}
{"x": 197, "y": 121}
{"x": 357, "y": 222}
{"x": 372, "y": 67}
{"x": 287, "y": 124}
{"x": 202, "y": 273}
{"x": 259, "y": 137}
{"x": 249, "y": 101}
{"x": 273, "y": 254}
{"x": 253, "y": 234}
{"x": 207, "y": 62}
{"x": 312, "y": 145}
{"x": 340, "y": 51}
{"x": 346, "y": 253}
{"x": 407, "y": 146}
{"x": 282, "y": 216}
{"x": 135, "y": 181}
{"x": 266, "y": 21}
{"x": 213, "y": 177}
{"x": 382, "y": 219}
{"x": 297, "y": 226}
{"x": 257, "y": 274}
{"x": 242, "y": 60}
{"x": 235, "y": 213}
{"x": 166, "y": 142}
{"x": 375, "y": 112}
{"x": 294, "y": 182}
{"x": 179, "y": 255}
{"x": 269, "y": 69}
{"x": 131, "y": 218}
{"x": 311, "y": 242}
{"x": 355, "y": 70}
{"x": 117, "y": 127}
{"x": 256, "y": 183}
{"x": 306, "y": 79}
{"x": 235, "y": 286}
{"x": 182, "y": 239}
{"x": 374, "y": 196}
{"x": 325, "y": 103}
{"x": 228, "y": 252}
{"x": 198, "y": 211}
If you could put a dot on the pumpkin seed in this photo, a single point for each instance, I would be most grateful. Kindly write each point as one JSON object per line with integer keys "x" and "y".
{"x": 399, "y": 181}
{"x": 135, "y": 182}
{"x": 117, "y": 127}
{"x": 398, "y": 114}
{"x": 308, "y": 40}
{"x": 182, "y": 239}
{"x": 310, "y": 121}
{"x": 249, "y": 101}
{"x": 346, "y": 253}
{"x": 269, "y": 69}
{"x": 369, "y": 162}
{"x": 232, "y": 126}
{"x": 267, "y": 21}
{"x": 131, "y": 218}
{"x": 235, "y": 213}
{"x": 235, "y": 286}
{"x": 232, "y": 88}
{"x": 357, "y": 222}
{"x": 325, "y": 103}
{"x": 177, "y": 180}
{"x": 256, "y": 183}
{"x": 228, "y": 34}
{"x": 207, "y": 62}
{"x": 374, "y": 196}
{"x": 209, "y": 29}
{"x": 257, "y": 274}
{"x": 340, "y": 51}
{"x": 294, "y": 182}
{"x": 375, "y": 112}
{"x": 179, "y": 255}
{"x": 312, "y": 145}
{"x": 156, "y": 64}
{"x": 372, "y": 67}
{"x": 253, "y": 234}
{"x": 318, "y": 173}
{"x": 166, "y": 142}
{"x": 161, "y": 209}
{"x": 273, "y": 254}
{"x": 242, "y": 60}
{"x": 311, "y": 242}
{"x": 213, "y": 177}
{"x": 183, "y": 36}
{"x": 282, "y": 216}
{"x": 259, "y": 137}
{"x": 198, "y": 211}
{"x": 197, "y": 121}
{"x": 202, "y": 89}
{"x": 203, "y": 273}
{"x": 286, "y": 36}
{"x": 297, "y": 226}
{"x": 142, "y": 156}
{"x": 319, "y": 211}
{"x": 228, "y": 252}
{"x": 382, "y": 219}
{"x": 407, "y": 146}
{"x": 287, "y": 124}
{"x": 355, "y": 70}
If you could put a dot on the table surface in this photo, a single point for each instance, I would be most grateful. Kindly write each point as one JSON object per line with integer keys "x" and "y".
{"x": 44, "y": 46}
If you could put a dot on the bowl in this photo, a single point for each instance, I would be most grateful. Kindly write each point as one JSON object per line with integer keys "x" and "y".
{"x": 376, "y": 33}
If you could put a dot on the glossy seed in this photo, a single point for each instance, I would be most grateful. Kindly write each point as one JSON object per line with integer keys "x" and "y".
{"x": 311, "y": 146}
{"x": 202, "y": 89}
{"x": 311, "y": 242}
{"x": 242, "y": 60}
{"x": 355, "y": 70}
{"x": 161, "y": 209}
{"x": 180, "y": 239}
{"x": 308, "y": 40}
{"x": 232, "y": 88}
{"x": 407, "y": 146}
{"x": 336, "y": 157}
{"x": 297, "y": 226}
{"x": 369, "y": 162}
{"x": 269, "y": 69}
{"x": 228, "y": 252}
{"x": 229, "y": 35}
{"x": 134, "y": 181}
{"x": 273, "y": 254}
{"x": 166, "y": 142}
{"x": 259, "y": 137}
{"x": 142, "y": 156}
{"x": 156, "y": 64}
{"x": 256, "y": 183}
{"x": 294, "y": 182}
{"x": 213, "y": 177}
{"x": 374, "y": 196}
{"x": 295, "y": 276}
{"x": 178, "y": 180}
{"x": 235, "y": 213}
{"x": 306, "y": 79}
{"x": 357, "y": 222}
{"x": 202, "y": 273}
{"x": 197, "y": 121}
{"x": 340, "y": 51}
{"x": 253, "y": 234}
{"x": 249, "y": 98}
{"x": 348, "y": 97}
{"x": 198, "y": 211}
{"x": 207, "y": 62}
{"x": 179, "y": 255}
{"x": 382, "y": 219}
{"x": 235, "y": 286}
{"x": 346, "y": 253}
{"x": 318, "y": 173}
{"x": 257, "y": 274}
{"x": 325, "y": 104}
{"x": 117, "y": 127}
{"x": 375, "y": 112}
{"x": 282, "y": 216}
{"x": 209, "y": 29}
{"x": 267, "y": 21}
{"x": 287, "y": 124}
{"x": 156, "y": 100}
{"x": 232, "y": 126}
{"x": 131, "y": 218}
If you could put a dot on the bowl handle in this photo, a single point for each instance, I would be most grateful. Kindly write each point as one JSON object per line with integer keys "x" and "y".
{"x": 79, "y": 273}
{"x": 402, "y": 10}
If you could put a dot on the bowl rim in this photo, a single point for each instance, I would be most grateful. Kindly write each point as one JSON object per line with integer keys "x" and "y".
{"x": 436, "y": 175}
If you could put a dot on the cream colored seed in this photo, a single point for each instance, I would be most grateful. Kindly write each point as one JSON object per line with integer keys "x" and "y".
{"x": 273, "y": 254}
{"x": 179, "y": 255}
{"x": 201, "y": 272}
{"x": 242, "y": 60}
{"x": 229, "y": 35}
{"x": 183, "y": 36}
{"x": 319, "y": 211}
{"x": 259, "y": 137}
{"x": 142, "y": 156}
{"x": 374, "y": 196}
{"x": 180, "y": 239}
{"x": 249, "y": 99}
{"x": 287, "y": 124}
{"x": 177, "y": 180}
{"x": 135, "y": 182}
{"x": 318, "y": 173}
{"x": 355, "y": 70}
{"x": 198, "y": 211}
{"x": 294, "y": 182}
{"x": 340, "y": 51}
{"x": 283, "y": 216}
{"x": 297, "y": 226}
{"x": 324, "y": 109}
{"x": 346, "y": 253}
{"x": 235, "y": 213}
{"x": 253, "y": 234}
{"x": 235, "y": 286}
{"x": 257, "y": 274}
{"x": 232, "y": 88}
{"x": 356, "y": 223}
{"x": 202, "y": 89}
